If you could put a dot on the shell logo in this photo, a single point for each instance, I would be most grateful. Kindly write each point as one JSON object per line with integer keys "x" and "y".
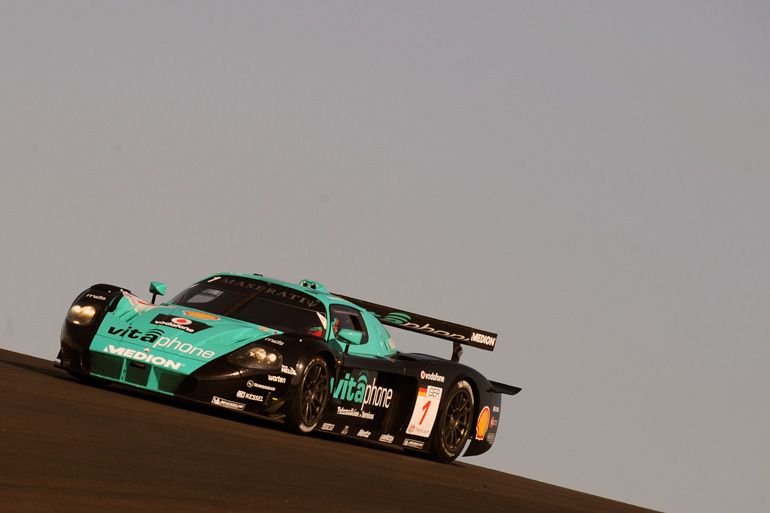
{"x": 201, "y": 315}
{"x": 482, "y": 425}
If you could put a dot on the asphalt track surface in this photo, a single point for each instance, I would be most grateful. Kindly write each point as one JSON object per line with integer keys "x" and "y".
{"x": 70, "y": 447}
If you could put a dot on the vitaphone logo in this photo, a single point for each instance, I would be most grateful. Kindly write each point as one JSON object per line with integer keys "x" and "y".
{"x": 397, "y": 318}
{"x": 156, "y": 338}
{"x": 358, "y": 390}
{"x": 403, "y": 319}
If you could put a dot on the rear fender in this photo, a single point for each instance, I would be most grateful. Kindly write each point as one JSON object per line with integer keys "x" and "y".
{"x": 486, "y": 423}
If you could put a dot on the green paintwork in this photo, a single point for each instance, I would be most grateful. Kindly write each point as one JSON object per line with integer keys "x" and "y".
{"x": 162, "y": 343}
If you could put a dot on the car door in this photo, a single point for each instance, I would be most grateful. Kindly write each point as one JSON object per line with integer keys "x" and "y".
{"x": 368, "y": 387}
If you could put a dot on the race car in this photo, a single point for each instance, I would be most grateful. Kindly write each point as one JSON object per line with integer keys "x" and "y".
{"x": 296, "y": 353}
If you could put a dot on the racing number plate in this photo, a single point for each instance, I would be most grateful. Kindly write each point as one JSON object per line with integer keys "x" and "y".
{"x": 425, "y": 410}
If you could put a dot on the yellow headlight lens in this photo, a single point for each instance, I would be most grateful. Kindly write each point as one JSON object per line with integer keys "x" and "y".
{"x": 81, "y": 314}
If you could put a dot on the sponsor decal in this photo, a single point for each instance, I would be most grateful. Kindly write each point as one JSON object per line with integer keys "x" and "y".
{"x": 404, "y": 320}
{"x": 345, "y": 430}
{"x": 491, "y": 437}
{"x": 150, "y": 336}
{"x": 480, "y": 338}
{"x": 495, "y": 409}
{"x": 277, "y": 379}
{"x": 364, "y": 433}
{"x": 253, "y": 384}
{"x": 154, "y": 336}
{"x": 492, "y": 422}
{"x": 179, "y": 323}
{"x": 239, "y": 282}
{"x": 359, "y": 390}
{"x": 482, "y": 424}
{"x": 427, "y": 328}
{"x": 425, "y": 411}
{"x": 274, "y": 341}
{"x": 327, "y": 426}
{"x": 94, "y": 296}
{"x": 247, "y": 395}
{"x": 416, "y": 444}
{"x": 137, "y": 304}
{"x": 146, "y": 357}
{"x": 352, "y": 412}
{"x": 306, "y": 301}
{"x": 397, "y": 318}
{"x": 226, "y": 403}
{"x": 286, "y": 294}
{"x": 288, "y": 370}
{"x": 202, "y": 315}
{"x": 388, "y": 439}
{"x": 432, "y": 376}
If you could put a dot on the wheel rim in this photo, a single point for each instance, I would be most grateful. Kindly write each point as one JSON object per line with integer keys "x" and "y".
{"x": 315, "y": 391}
{"x": 457, "y": 421}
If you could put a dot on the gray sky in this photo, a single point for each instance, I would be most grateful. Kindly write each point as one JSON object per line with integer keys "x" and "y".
{"x": 588, "y": 179}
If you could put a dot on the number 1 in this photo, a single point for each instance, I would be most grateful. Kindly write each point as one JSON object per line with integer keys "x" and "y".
{"x": 425, "y": 411}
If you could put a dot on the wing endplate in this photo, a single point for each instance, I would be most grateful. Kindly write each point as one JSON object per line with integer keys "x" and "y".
{"x": 502, "y": 388}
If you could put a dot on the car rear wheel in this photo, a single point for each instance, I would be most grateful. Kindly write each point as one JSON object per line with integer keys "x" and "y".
{"x": 455, "y": 422}
{"x": 309, "y": 405}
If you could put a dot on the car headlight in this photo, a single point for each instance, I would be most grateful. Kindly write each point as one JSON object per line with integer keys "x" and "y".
{"x": 82, "y": 315}
{"x": 257, "y": 357}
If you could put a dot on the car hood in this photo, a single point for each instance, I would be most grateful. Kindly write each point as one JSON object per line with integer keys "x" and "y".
{"x": 179, "y": 338}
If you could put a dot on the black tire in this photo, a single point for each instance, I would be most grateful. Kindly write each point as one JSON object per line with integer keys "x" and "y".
{"x": 455, "y": 422}
{"x": 309, "y": 405}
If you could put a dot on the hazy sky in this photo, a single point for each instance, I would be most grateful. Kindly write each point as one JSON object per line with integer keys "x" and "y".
{"x": 590, "y": 180}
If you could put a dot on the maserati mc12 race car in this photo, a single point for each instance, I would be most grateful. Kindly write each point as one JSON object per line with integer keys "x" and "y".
{"x": 314, "y": 359}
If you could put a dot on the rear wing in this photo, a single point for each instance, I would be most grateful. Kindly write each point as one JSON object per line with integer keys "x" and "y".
{"x": 417, "y": 323}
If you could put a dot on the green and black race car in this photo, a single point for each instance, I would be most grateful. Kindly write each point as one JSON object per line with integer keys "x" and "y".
{"x": 299, "y": 353}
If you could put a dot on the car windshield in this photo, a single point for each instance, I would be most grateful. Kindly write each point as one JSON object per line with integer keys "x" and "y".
{"x": 274, "y": 307}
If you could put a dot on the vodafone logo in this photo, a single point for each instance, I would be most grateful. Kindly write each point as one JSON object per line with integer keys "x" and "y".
{"x": 432, "y": 376}
{"x": 180, "y": 323}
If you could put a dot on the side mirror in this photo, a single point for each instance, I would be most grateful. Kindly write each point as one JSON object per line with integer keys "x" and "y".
{"x": 351, "y": 337}
{"x": 157, "y": 289}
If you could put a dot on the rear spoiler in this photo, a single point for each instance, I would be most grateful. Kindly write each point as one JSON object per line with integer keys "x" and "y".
{"x": 417, "y": 323}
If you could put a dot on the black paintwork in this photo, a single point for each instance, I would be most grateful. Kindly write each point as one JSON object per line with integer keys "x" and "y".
{"x": 391, "y": 383}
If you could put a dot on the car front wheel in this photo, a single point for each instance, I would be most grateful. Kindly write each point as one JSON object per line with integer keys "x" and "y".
{"x": 309, "y": 405}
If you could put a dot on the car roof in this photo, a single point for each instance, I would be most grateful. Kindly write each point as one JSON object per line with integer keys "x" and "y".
{"x": 306, "y": 286}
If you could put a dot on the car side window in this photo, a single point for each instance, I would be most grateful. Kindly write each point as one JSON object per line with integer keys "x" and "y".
{"x": 346, "y": 318}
